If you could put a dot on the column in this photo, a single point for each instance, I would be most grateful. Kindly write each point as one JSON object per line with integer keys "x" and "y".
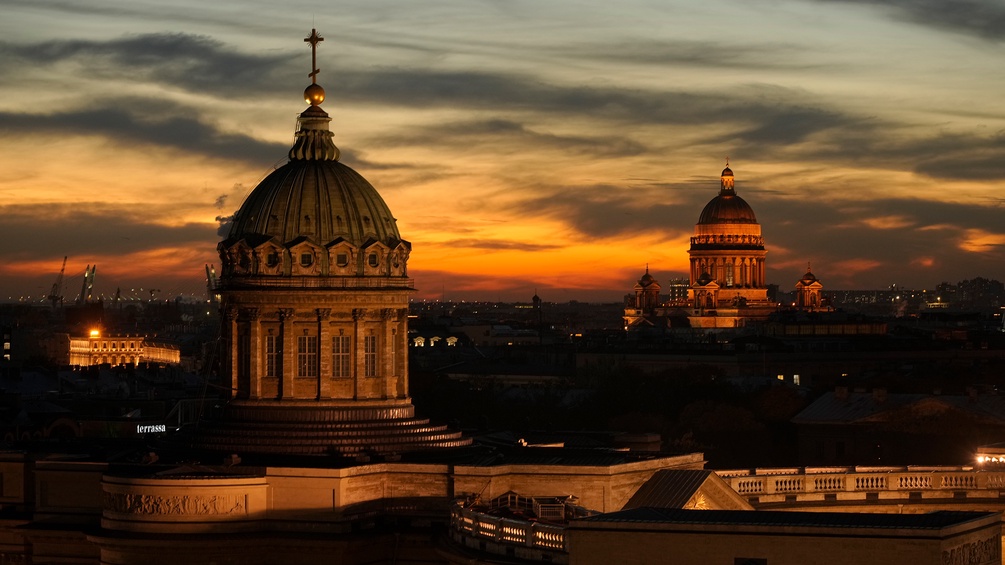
{"x": 402, "y": 345}
{"x": 230, "y": 362}
{"x": 255, "y": 360}
{"x": 387, "y": 358}
{"x": 324, "y": 353}
{"x": 358, "y": 314}
{"x": 286, "y": 354}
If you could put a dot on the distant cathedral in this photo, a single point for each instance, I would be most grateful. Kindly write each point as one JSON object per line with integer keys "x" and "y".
{"x": 727, "y": 273}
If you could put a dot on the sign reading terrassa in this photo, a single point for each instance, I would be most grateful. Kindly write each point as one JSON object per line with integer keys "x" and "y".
{"x": 150, "y": 429}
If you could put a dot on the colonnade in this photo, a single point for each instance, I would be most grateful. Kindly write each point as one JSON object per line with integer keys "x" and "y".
{"x": 745, "y": 272}
{"x": 285, "y": 353}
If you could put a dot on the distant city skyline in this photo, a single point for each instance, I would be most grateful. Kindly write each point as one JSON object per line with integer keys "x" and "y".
{"x": 555, "y": 148}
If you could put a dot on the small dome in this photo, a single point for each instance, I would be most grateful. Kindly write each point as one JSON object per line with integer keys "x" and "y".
{"x": 727, "y": 172}
{"x": 727, "y": 208}
{"x": 808, "y": 279}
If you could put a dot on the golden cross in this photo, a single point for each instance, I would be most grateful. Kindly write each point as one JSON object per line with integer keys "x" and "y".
{"x": 314, "y": 39}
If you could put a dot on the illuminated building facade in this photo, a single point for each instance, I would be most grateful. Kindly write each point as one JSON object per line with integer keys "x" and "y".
{"x": 727, "y": 259}
{"x": 97, "y": 349}
{"x": 808, "y": 292}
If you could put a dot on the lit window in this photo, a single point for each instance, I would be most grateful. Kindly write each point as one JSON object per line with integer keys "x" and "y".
{"x": 341, "y": 356}
{"x": 307, "y": 356}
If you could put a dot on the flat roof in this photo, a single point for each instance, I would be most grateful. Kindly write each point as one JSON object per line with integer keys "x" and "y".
{"x": 775, "y": 518}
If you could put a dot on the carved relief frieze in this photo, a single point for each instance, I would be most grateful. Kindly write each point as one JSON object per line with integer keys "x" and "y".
{"x": 975, "y": 553}
{"x": 196, "y": 505}
{"x": 286, "y": 313}
{"x": 323, "y": 313}
{"x": 249, "y": 313}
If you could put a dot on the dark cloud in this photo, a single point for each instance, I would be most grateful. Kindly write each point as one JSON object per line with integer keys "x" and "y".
{"x": 149, "y": 122}
{"x": 981, "y": 18}
{"x": 759, "y": 119}
{"x": 499, "y": 135}
{"x": 831, "y": 235}
{"x": 225, "y": 222}
{"x": 55, "y": 230}
{"x": 608, "y": 211}
{"x": 192, "y": 62}
{"x": 499, "y": 245}
{"x": 704, "y": 54}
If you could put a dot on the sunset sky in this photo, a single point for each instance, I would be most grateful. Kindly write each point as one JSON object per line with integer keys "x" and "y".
{"x": 554, "y": 146}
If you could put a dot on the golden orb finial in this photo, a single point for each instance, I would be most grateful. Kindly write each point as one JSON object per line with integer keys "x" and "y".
{"x": 314, "y": 94}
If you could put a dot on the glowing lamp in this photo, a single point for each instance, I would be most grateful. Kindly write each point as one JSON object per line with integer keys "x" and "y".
{"x": 95, "y": 333}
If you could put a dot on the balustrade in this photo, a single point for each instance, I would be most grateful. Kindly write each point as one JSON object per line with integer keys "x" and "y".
{"x": 862, "y": 479}
{"x": 514, "y": 532}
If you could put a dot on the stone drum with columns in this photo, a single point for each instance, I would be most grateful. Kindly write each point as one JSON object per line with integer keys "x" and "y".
{"x": 314, "y": 293}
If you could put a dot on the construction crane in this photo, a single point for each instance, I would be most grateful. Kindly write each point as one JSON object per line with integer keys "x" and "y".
{"x": 85, "y": 290}
{"x": 56, "y": 294}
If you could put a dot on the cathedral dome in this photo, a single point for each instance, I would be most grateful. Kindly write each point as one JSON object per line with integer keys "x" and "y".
{"x": 317, "y": 200}
{"x": 313, "y": 216}
{"x": 727, "y": 208}
{"x": 314, "y": 196}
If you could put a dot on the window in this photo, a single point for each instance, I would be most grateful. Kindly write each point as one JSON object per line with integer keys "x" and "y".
{"x": 372, "y": 260}
{"x": 342, "y": 259}
{"x": 306, "y": 259}
{"x": 307, "y": 356}
{"x": 341, "y": 356}
{"x": 370, "y": 355}
{"x": 271, "y": 356}
{"x": 272, "y": 259}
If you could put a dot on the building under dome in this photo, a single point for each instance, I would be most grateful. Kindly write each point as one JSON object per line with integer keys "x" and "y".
{"x": 727, "y": 259}
{"x": 314, "y": 293}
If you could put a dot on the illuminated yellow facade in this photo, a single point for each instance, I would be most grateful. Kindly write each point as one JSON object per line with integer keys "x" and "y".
{"x": 97, "y": 349}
